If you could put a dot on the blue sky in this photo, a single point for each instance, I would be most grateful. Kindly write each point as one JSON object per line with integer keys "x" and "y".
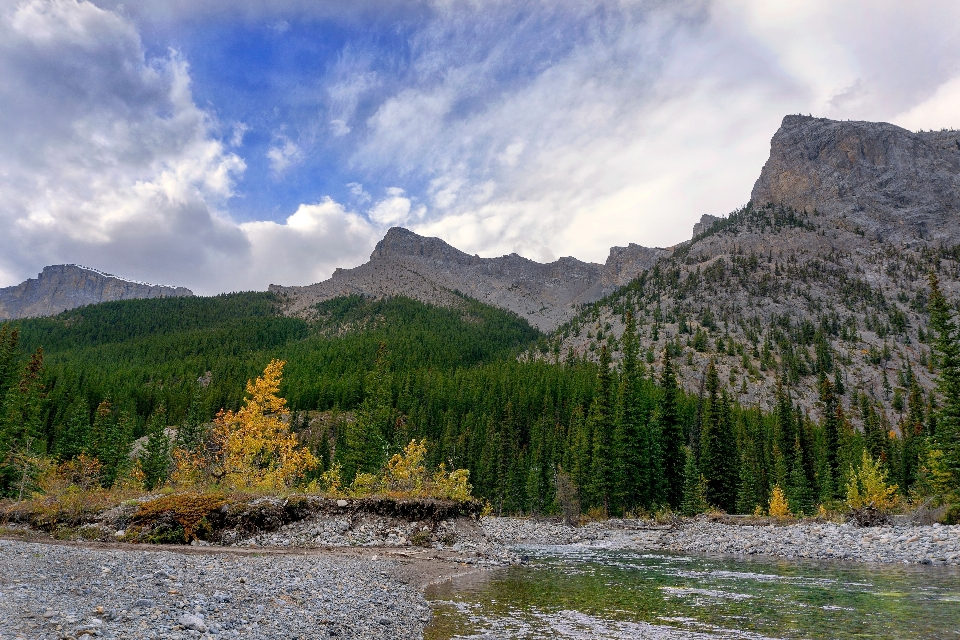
{"x": 230, "y": 144}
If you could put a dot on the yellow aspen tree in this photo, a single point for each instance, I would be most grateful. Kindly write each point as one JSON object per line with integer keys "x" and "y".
{"x": 257, "y": 450}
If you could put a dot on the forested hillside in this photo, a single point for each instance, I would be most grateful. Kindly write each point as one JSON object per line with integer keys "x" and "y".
{"x": 366, "y": 377}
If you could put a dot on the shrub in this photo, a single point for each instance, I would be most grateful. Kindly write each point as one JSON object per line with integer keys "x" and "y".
{"x": 186, "y": 510}
{"x": 868, "y": 486}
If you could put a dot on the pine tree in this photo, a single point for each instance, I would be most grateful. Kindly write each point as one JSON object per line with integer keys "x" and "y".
{"x": 632, "y": 440}
{"x": 831, "y": 430}
{"x": 76, "y": 431}
{"x": 190, "y": 433}
{"x": 718, "y": 452}
{"x": 600, "y": 419}
{"x": 155, "y": 456}
{"x": 22, "y": 419}
{"x": 366, "y": 437}
{"x": 947, "y": 348}
{"x": 799, "y": 493}
{"x": 117, "y": 454}
{"x": 695, "y": 487}
{"x": 671, "y": 436}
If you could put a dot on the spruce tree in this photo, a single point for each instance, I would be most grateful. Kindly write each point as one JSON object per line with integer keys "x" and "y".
{"x": 799, "y": 493}
{"x": 694, "y": 487}
{"x": 76, "y": 431}
{"x": 155, "y": 456}
{"x": 365, "y": 449}
{"x": 831, "y": 431}
{"x": 718, "y": 450}
{"x": 671, "y": 436}
{"x": 600, "y": 419}
{"x": 947, "y": 348}
{"x": 22, "y": 419}
{"x": 190, "y": 433}
{"x": 632, "y": 443}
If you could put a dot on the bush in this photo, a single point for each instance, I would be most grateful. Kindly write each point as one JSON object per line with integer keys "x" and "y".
{"x": 868, "y": 486}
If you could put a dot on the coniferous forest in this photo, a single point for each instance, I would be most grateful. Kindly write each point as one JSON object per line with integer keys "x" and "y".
{"x": 363, "y": 378}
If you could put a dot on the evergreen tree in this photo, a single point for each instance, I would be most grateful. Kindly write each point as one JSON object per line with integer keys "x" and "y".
{"x": 632, "y": 439}
{"x": 671, "y": 436}
{"x": 76, "y": 431}
{"x": 9, "y": 355}
{"x": 366, "y": 437}
{"x": 947, "y": 348}
{"x": 190, "y": 433}
{"x": 831, "y": 431}
{"x": 718, "y": 451}
{"x": 694, "y": 487}
{"x": 116, "y": 455}
{"x": 22, "y": 419}
{"x": 600, "y": 419}
{"x": 799, "y": 493}
{"x": 155, "y": 456}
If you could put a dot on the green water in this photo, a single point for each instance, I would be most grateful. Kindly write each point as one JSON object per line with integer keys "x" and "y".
{"x": 596, "y": 594}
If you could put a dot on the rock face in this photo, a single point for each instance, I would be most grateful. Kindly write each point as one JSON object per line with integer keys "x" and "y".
{"x": 823, "y": 274}
{"x": 430, "y": 270}
{"x": 706, "y": 222}
{"x": 894, "y": 184}
{"x": 68, "y": 286}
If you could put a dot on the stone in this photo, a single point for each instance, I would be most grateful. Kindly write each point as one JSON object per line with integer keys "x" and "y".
{"x": 342, "y": 503}
{"x": 195, "y": 623}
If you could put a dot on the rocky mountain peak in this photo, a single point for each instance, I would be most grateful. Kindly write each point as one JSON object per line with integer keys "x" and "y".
{"x": 67, "y": 286}
{"x": 881, "y": 179}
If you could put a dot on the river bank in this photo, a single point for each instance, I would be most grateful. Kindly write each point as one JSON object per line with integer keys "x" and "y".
{"x": 122, "y": 591}
{"x": 319, "y": 578}
{"x": 902, "y": 543}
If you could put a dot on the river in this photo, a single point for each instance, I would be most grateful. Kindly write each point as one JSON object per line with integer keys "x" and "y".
{"x": 582, "y": 592}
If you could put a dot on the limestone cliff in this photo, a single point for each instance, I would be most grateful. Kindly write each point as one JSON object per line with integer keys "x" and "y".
{"x": 430, "y": 270}
{"x": 66, "y": 286}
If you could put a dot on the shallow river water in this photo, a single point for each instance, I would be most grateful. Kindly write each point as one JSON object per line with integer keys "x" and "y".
{"x": 594, "y": 593}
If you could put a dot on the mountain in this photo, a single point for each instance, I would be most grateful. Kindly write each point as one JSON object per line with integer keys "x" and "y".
{"x": 823, "y": 273}
{"x": 67, "y": 286}
{"x": 430, "y": 270}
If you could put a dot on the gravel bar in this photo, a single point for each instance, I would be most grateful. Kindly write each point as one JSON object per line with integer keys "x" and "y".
{"x": 911, "y": 544}
{"x": 56, "y": 592}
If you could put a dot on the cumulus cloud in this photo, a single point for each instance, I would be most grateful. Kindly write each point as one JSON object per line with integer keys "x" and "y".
{"x": 543, "y": 127}
{"x": 308, "y": 246}
{"x": 107, "y": 161}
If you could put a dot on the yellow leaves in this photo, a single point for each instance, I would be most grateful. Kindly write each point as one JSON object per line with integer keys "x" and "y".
{"x": 404, "y": 476}
{"x": 257, "y": 451}
{"x": 868, "y": 486}
{"x": 452, "y": 486}
{"x": 778, "y": 503}
{"x": 405, "y": 472}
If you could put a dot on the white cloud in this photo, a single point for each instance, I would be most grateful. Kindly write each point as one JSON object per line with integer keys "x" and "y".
{"x": 395, "y": 209}
{"x": 283, "y": 154}
{"x": 308, "y": 246}
{"x": 240, "y": 130}
{"x": 545, "y": 128}
{"x": 940, "y": 111}
{"x": 106, "y": 160}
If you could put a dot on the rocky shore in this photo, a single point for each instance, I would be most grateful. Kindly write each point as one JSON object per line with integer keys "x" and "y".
{"x": 337, "y": 577}
{"x": 59, "y": 591}
{"x": 899, "y": 543}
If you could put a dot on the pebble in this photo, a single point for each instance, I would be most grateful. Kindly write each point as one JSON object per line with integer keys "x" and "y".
{"x": 54, "y": 591}
{"x": 902, "y": 543}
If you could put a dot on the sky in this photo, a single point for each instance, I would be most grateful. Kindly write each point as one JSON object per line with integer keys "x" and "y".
{"x": 225, "y": 145}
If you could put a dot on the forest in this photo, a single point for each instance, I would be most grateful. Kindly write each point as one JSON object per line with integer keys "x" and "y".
{"x": 363, "y": 378}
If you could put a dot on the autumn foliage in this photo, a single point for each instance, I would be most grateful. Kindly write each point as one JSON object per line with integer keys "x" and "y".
{"x": 256, "y": 450}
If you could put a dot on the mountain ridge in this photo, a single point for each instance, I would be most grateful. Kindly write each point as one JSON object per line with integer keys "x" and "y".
{"x": 62, "y": 287}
